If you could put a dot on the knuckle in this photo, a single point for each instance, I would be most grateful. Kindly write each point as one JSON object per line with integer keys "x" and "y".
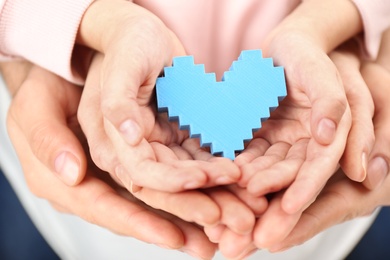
{"x": 109, "y": 106}
{"x": 100, "y": 157}
{"x": 40, "y": 139}
{"x": 81, "y": 114}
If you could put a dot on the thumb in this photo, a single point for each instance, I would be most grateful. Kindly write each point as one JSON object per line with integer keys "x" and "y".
{"x": 44, "y": 109}
{"x": 129, "y": 75}
{"x": 361, "y": 136}
{"x": 378, "y": 79}
{"x": 327, "y": 96}
{"x": 120, "y": 88}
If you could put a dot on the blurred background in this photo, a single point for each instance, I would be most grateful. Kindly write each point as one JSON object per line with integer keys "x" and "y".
{"x": 19, "y": 239}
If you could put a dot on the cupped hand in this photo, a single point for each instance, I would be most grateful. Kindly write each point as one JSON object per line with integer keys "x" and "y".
{"x": 377, "y": 76}
{"x": 33, "y": 108}
{"x": 299, "y": 147}
{"x": 118, "y": 109}
{"x": 341, "y": 193}
{"x": 361, "y": 137}
{"x": 42, "y": 118}
{"x": 201, "y": 207}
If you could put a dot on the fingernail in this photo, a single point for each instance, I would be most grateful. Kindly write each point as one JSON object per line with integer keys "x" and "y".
{"x": 67, "y": 166}
{"x": 223, "y": 180}
{"x": 364, "y": 165}
{"x": 130, "y": 131}
{"x": 124, "y": 178}
{"x": 192, "y": 185}
{"x": 377, "y": 171}
{"x": 326, "y": 130}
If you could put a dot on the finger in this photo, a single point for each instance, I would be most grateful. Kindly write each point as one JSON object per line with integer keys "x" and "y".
{"x": 45, "y": 109}
{"x": 256, "y": 148}
{"x": 119, "y": 100}
{"x": 235, "y": 215}
{"x": 180, "y": 153}
{"x": 220, "y": 171}
{"x": 171, "y": 175}
{"x": 265, "y": 235}
{"x": 378, "y": 80}
{"x": 281, "y": 174}
{"x": 323, "y": 86}
{"x": 274, "y": 154}
{"x": 320, "y": 164}
{"x": 361, "y": 137}
{"x": 257, "y": 204}
{"x": 127, "y": 84}
{"x": 325, "y": 212}
{"x": 91, "y": 121}
{"x": 235, "y": 246}
{"x": 214, "y": 233}
{"x": 95, "y": 201}
{"x": 196, "y": 242}
{"x": 182, "y": 204}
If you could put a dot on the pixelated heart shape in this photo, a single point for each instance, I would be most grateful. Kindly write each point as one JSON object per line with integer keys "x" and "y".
{"x": 222, "y": 114}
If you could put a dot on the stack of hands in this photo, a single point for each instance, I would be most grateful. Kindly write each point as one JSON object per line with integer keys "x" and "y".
{"x": 102, "y": 152}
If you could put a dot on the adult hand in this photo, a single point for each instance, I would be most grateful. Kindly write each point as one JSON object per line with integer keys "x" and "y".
{"x": 377, "y": 76}
{"x": 43, "y": 116}
{"x": 63, "y": 156}
{"x": 340, "y": 193}
{"x": 361, "y": 136}
{"x": 136, "y": 46}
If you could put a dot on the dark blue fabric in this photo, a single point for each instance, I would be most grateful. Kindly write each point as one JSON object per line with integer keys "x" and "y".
{"x": 376, "y": 242}
{"x": 19, "y": 239}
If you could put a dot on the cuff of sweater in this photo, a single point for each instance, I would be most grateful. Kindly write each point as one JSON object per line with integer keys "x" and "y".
{"x": 43, "y": 32}
{"x": 375, "y": 16}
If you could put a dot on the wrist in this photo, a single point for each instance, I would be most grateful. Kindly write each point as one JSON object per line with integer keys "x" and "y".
{"x": 324, "y": 23}
{"x": 100, "y": 28}
{"x": 14, "y": 73}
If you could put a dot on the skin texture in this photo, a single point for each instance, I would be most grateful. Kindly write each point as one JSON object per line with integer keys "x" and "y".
{"x": 209, "y": 210}
{"x": 143, "y": 140}
{"x": 150, "y": 158}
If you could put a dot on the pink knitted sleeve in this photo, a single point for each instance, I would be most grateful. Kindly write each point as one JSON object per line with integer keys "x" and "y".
{"x": 43, "y": 32}
{"x": 376, "y": 18}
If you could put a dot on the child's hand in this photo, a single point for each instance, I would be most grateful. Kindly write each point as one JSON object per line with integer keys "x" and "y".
{"x": 118, "y": 112}
{"x": 285, "y": 155}
{"x": 308, "y": 131}
{"x": 194, "y": 206}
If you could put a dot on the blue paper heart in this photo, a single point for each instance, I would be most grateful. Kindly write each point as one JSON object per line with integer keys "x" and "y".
{"x": 222, "y": 114}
